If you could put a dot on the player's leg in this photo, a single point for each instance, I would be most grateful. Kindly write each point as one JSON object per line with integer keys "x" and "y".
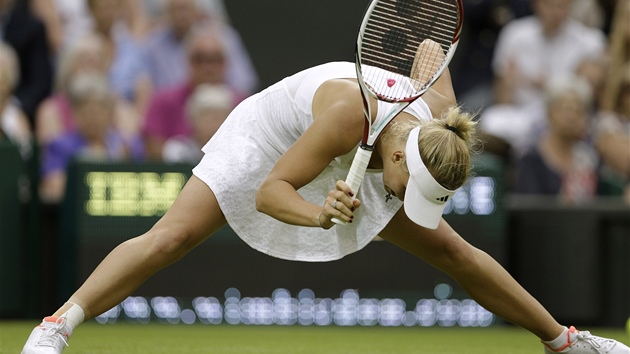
{"x": 491, "y": 285}
{"x": 475, "y": 271}
{"x": 191, "y": 219}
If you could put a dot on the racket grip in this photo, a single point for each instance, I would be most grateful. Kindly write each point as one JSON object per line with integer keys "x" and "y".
{"x": 356, "y": 174}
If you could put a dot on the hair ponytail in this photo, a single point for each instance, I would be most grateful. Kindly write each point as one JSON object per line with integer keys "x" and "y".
{"x": 446, "y": 145}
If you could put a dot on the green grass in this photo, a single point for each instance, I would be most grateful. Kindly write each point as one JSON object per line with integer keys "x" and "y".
{"x": 92, "y": 338}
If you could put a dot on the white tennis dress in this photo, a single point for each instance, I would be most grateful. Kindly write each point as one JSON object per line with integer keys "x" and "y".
{"x": 245, "y": 148}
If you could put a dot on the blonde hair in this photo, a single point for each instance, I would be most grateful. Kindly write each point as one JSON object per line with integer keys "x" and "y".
{"x": 446, "y": 145}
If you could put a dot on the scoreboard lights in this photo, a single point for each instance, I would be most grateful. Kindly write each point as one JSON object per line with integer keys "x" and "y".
{"x": 131, "y": 194}
{"x": 305, "y": 309}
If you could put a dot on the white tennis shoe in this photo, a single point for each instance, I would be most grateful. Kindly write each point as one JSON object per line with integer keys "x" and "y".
{"x": 585, "y": 343}
{"x": 50, "y": 337}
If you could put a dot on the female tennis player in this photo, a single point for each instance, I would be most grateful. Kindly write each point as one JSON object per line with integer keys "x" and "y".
{"x": 274, "y": 172}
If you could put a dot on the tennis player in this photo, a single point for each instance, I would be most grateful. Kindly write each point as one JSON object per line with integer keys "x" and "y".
{"x": 274, "y": 172}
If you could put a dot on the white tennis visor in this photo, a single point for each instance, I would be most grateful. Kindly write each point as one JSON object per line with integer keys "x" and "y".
{"x": 424, "y": 197}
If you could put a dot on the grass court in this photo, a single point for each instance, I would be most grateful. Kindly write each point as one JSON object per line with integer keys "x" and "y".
{"x": 126, "y": 338}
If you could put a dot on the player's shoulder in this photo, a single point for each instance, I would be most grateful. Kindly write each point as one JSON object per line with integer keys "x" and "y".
{"x": 337, "y": 92}
{"x": 338, "y": 103}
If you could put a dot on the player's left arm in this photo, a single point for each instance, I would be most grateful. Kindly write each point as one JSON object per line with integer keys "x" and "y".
{"x": 336, "y": 130}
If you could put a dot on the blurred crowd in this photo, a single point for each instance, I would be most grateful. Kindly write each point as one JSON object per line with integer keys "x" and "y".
{"x": 551, "y": 84}
{"x": 140, "y": 80}
{"x": 116, "y": 80}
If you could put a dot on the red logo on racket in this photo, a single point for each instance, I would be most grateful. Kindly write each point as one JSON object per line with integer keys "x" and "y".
{"x": 391, "y": 82}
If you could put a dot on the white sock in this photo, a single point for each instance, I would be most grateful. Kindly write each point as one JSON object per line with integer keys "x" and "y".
{"x": 561, "y": 341}
{"x": 74, "y": 316}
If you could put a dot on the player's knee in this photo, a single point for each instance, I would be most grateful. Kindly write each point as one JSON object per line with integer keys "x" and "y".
{"x": 458, "y": 255}
{"x": 170, "y": 242}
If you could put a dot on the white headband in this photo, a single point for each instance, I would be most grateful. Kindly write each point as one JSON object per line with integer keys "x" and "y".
{"x": 424, "y": 197}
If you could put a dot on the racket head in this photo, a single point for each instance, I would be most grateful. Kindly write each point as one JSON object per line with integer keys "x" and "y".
{"x": 403, "y": 46}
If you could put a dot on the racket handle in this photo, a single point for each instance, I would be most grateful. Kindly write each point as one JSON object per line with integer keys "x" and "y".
{"x": 356, "y": 173}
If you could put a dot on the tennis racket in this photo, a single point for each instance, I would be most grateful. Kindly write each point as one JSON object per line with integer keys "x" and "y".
{"x": 403, "y": 47}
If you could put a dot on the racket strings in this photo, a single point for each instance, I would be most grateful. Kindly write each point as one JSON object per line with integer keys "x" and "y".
{"x": 394, "y": 38}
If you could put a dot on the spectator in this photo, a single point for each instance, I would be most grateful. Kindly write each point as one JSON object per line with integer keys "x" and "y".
{"x": 13, "y": 122}
{"x": 562, "y": 163}
{"x": 27, "y": 35}
{"x": 206, "y": 109}
{"x": 67, "y": 20}
{"x": 166, "y": 53}
{"x": 54, "y": 116}
{"x": 166, "y": 115}
{"x": 123, "y": 49}
{"x": 531, "y": 51}
{"x": 94, "y": 137}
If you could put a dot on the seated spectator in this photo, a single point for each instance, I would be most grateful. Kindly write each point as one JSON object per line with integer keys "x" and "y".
{"x": 530, "y": 52}
{"x": 563, "y": 163}
{"x": 26, "y": 34}
{"x": 13, "y": 122}
{"x": 533, "y": 50}
{"x": 94, "y": 136}
{"x": 123, "y": 50}
{"x": 165, "y": 52}
{"x": 54, "y": 116}
{"x": 206, "y": 109}
{"x": 166, "y": 116}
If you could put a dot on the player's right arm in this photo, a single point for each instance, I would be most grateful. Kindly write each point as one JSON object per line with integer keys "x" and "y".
{"x": 336, "y": 130}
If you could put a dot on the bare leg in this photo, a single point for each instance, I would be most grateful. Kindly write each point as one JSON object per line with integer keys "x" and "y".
{"x": 192, "y": 218}
{"x": 478, "y": 273}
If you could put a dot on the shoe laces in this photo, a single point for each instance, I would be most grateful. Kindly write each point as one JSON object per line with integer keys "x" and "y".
{"x": 53, "y": 333}
{"x": 601, "y": 345}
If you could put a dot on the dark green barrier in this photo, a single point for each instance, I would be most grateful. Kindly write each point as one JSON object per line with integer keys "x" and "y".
{"x": 12, "y": 265}
{"x": 575, "y": 259}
